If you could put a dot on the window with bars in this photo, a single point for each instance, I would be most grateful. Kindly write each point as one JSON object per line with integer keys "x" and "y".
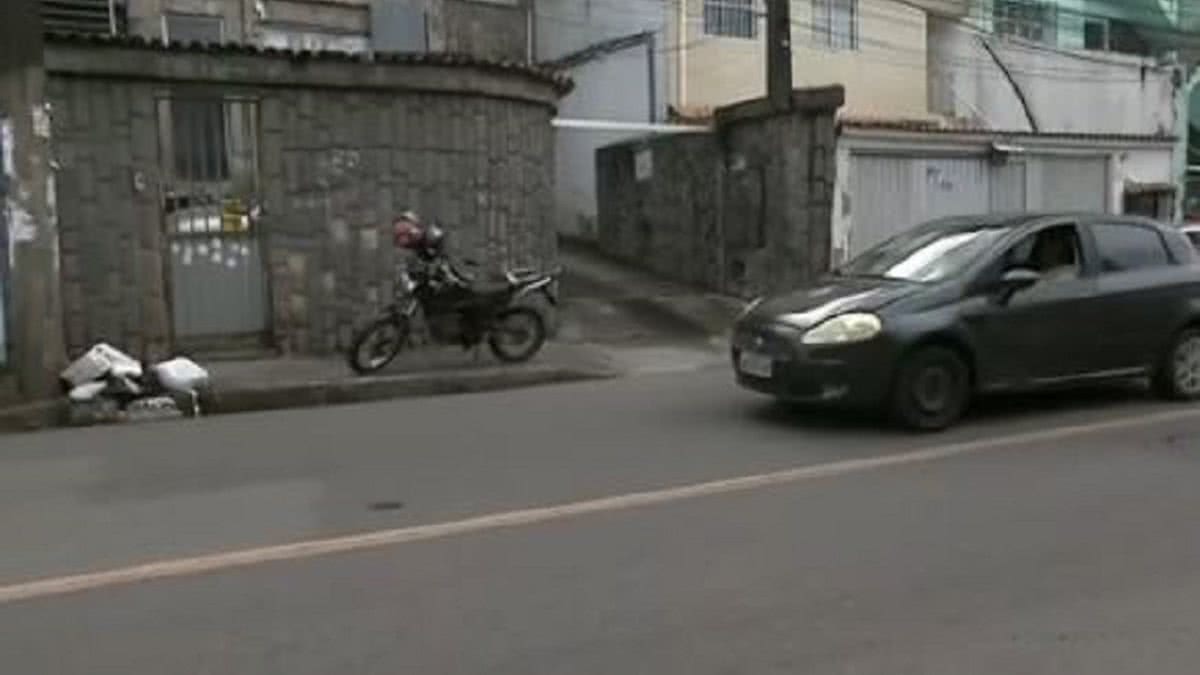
{"x": 1026, "y": 19}
{"x": 730, "y": 18}
{"x": 200, "y": 134}
{"x": 835, "y": 23}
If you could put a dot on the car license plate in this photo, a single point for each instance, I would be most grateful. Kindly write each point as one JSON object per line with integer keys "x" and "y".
{"x": 755, "y": 364}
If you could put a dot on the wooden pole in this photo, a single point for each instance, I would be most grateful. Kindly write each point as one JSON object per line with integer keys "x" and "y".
{"x": 779, "y": 54}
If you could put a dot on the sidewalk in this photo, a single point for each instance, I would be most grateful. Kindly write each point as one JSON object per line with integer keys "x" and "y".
{"x": 614, "y": 321}
{"x": 659, "y": 309}
{"x": 270, "y": 384}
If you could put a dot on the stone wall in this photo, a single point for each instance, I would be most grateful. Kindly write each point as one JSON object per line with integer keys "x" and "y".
{"x": 342, "y": 147}
{"x": 743, "y": 209}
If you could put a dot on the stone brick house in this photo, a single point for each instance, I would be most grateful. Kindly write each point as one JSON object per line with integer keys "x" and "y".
{"x": 163, "y": 153}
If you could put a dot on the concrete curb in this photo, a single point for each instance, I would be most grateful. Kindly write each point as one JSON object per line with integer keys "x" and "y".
{"x": 56, "y": 413}
{"x": 34, "y": 416}
{"x": 362, "y": 390}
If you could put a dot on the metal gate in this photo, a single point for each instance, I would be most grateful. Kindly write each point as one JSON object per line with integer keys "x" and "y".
{"x": 1074, "y": 184}
{"x": 1008, "y": 193}
{"x": 209, "y": 162}
{"x": 883, "y": 197}
{"x": 958, "y": 186}
{"x": 891, "y": 193}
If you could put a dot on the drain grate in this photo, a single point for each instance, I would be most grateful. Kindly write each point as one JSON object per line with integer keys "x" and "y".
{"x": 386, "y": 506}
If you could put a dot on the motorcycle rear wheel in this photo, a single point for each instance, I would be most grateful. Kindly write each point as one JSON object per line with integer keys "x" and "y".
{"x": 517, "y": 334}
{"x": 377, "y": 345}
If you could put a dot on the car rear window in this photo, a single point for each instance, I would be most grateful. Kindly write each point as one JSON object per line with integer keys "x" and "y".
{"x": 1124, "y": 248}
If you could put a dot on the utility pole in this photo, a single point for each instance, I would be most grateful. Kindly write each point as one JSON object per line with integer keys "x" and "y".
{"x": 779, "y": 54}
{"x": 33, "y": 308}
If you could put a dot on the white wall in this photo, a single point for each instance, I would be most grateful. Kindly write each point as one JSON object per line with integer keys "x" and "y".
{"x": 611, "y": 87}
{"x": 1067, "y": 91}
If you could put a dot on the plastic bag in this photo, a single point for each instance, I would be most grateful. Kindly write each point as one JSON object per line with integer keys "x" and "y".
{"x": 87, "y": 392}
{"x": 180, "y": 375}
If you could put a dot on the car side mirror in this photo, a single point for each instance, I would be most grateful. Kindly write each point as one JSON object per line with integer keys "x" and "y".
{"x": 1014, "y": 280}
{"x": 1018, "y": 278}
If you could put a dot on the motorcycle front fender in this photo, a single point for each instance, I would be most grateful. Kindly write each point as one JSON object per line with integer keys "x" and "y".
{"x": 545, "y": 286}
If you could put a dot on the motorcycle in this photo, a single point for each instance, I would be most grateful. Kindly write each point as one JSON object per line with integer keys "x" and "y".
{"x": 456, "y": 308}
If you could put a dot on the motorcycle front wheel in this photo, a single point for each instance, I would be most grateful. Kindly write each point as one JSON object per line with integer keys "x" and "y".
{"x": 517, "y": 334}
{"x": 377, "y": 345}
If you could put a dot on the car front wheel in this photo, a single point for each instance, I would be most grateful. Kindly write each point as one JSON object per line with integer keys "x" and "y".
{"x": 1178, "y": 376}
{"x": 932, "y": 389}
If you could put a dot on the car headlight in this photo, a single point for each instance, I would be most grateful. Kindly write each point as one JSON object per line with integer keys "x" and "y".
{"x": 844, "y": 329}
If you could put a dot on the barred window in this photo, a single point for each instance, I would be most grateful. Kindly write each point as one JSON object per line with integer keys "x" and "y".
{"x": 835, "y": 23}
{"x": 1027, "y": 19}
{"x": 730, "y": 18}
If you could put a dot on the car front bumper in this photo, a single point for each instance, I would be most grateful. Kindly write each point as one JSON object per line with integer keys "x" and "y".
{"x": 845, "y": 375}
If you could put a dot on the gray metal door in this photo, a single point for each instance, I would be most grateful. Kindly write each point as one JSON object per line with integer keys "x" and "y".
{"x": 883, "y": 199}
{"x": 1074, "y": 184}
{"x": 955, "y": 186}
{"x": 1007, "y": 187}
{"x": 209, "y": 161}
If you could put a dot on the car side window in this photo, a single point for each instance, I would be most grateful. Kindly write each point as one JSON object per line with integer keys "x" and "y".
{"x": 1053, "y": 252}
{"x": 1125, "y": 248}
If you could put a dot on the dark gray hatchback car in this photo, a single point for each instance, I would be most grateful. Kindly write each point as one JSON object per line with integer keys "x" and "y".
{"x": 922, "y": 322}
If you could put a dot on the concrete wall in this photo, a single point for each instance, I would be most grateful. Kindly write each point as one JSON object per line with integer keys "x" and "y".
{"x": 885, "y": 75}
{"x": 744, "y": 210}
{"x": 1066, "y": 92}
{"x": 343, "y": 147}
{"x": 489, "y": 29}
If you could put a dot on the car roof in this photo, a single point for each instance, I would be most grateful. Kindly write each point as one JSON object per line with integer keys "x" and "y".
{"x": 1011, "y": 220}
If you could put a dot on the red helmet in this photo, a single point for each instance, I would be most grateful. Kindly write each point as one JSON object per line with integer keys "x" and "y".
{"x": 407, "y": 231}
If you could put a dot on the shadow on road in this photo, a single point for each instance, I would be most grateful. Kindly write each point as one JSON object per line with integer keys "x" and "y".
{"x": 986, "y": 410}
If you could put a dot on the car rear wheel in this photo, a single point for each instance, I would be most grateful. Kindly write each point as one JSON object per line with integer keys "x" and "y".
{"x": 932, "y": 389}
{"x": 1178, "y": 376}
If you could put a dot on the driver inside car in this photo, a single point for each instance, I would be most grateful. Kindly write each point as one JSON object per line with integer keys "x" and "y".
{"x": 1054, "y": 255}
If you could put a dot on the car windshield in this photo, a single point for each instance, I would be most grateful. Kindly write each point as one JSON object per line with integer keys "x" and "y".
{"x": 924, "y": 254}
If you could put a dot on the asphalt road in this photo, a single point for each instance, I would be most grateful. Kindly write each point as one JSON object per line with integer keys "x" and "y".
{"x": 1046, "y": 535}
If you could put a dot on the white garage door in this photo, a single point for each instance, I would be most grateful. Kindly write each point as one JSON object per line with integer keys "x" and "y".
{"x": 1074, "y": 184}
{"x": 882, "y": 199}
{"x": 892, "y": 193}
